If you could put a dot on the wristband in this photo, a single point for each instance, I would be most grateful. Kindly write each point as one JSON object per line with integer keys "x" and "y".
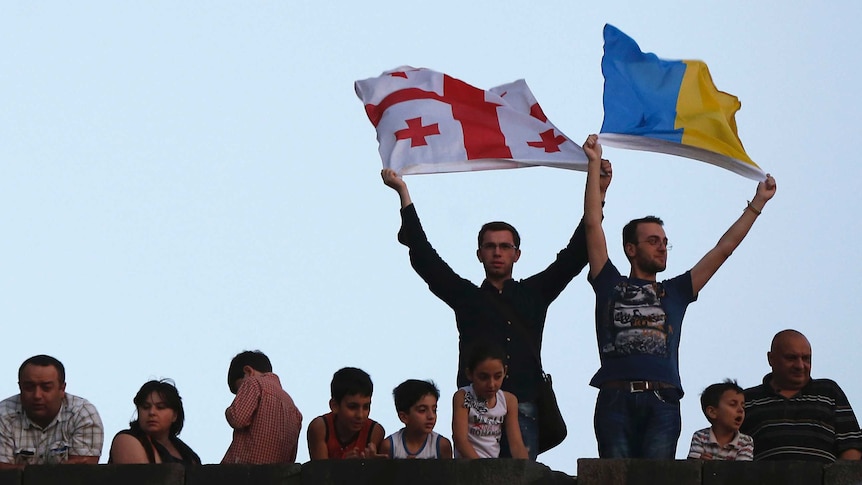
{"x": 753, "y": 209}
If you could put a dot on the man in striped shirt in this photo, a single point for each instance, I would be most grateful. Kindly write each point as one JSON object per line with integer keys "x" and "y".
{"x": 794, "y": 417}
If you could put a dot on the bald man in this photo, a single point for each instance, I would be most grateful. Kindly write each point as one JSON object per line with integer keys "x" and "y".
{"x": 794, "y": 417}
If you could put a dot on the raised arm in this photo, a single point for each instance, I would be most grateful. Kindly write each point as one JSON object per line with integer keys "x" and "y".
{"x": 709, "y": 264}
{"x": 573, "y": 258}
{"x": 441, "y": 279}
{"x": 393, "y": 180}
{"x": 599, "y": 173}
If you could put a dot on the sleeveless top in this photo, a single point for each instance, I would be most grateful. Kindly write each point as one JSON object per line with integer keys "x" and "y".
{"x": 430, "y": 449}
{"x": 484, "y": 425}
{"x": 335, "y": 448}
{"x": 189, "y": 457}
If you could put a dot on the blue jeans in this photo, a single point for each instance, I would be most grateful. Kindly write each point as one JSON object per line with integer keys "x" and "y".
{"x": 529, "y": 431}
{"x": 637, "y": 424}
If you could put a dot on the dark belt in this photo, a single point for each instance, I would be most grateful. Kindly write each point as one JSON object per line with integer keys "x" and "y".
{"x": 637, "y": 386}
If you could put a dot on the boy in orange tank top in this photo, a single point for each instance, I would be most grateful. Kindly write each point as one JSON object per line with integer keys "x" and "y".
{"x": 346, "y": 431}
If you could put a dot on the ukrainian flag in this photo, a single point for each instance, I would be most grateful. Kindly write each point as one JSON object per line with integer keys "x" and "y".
{"x": 669, "y": 107}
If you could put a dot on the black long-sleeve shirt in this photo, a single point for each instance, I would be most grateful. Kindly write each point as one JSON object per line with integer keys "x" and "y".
{"x": 479, "y": 320}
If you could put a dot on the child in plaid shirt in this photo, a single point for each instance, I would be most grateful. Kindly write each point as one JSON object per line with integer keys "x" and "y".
{"x": 265, "y": 421}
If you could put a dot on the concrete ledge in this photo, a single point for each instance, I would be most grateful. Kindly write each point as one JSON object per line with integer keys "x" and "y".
{"x": 593, "y": 471}
{"x": 843, "y": 473}
{"x": 359, "y": 472}
{"x": 463, "y": 472}
{"x": 170, "y": 474}
{"x": 287, "y": 474}
{"x": 762, "y": 472}
{"x": 10, "y": 477}
{"x": 422, "y": 472}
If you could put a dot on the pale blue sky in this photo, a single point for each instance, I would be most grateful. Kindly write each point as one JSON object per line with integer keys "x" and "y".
{"x": 183, "y": 181}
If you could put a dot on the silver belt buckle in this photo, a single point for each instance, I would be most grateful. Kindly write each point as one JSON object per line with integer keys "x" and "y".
{"x": 632, "y": 387}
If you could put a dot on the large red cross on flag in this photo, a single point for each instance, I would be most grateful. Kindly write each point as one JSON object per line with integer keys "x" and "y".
{"x": 428, "y": 122}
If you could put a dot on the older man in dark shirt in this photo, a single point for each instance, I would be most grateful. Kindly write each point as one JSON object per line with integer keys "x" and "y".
{"x": 794, "y": 417}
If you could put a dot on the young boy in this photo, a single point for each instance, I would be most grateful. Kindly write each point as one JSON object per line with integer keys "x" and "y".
{"x": 722, "y": 405}
{"x": 416, "y": 403}
{"x": 346, "y": 431}
{"x": 265, "y": 421}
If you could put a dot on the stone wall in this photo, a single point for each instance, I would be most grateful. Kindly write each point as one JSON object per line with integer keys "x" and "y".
{"x": 697, "y": 472}
{"x": 420, "y": 472}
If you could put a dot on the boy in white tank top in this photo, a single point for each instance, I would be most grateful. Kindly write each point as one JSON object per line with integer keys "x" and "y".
{"x": 416, "y": 403}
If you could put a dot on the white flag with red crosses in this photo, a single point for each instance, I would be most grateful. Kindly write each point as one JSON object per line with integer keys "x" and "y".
{"x": 428, "y": 122}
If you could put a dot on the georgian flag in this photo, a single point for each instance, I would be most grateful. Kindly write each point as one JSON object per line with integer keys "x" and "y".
{"x": 428, "y": 122}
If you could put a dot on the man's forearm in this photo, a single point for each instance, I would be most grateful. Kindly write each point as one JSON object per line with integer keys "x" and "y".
{"x": 593, "y": 197}
{"x": 737, "y": 232}
{"x": 404, "y": 196}
{"x": 82, "y": 460}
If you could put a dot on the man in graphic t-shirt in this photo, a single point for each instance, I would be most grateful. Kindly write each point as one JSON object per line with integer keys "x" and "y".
{"x": 638, "y": 322}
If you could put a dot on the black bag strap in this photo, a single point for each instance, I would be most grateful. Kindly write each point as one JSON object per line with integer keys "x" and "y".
{"x": 510, "y": 314}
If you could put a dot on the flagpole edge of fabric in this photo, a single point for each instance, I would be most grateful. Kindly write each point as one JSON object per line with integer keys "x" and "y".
{"x": 649, "y": 144}
{"x": 486, "y": 164}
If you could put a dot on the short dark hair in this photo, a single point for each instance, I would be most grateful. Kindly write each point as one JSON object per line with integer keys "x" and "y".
{"x": 43, "y": 360}
{"x": 348, "y": 381}
{"x": 500, "y": 226}
{"x": 630, "y": 230}
{"x": 255, "y": 359}
{"x": 711, "y": 396}
{"x": 483, "y": 351}
{"x": 411, "y": 391}
{"x": 166, "y": 389}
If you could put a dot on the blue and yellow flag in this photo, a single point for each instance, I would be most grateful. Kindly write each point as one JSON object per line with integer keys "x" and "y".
{"x": 669, "y": 107}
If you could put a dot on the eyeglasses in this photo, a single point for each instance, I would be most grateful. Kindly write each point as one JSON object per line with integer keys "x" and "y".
{"x": 489, "y": 246}
{"x": 656, "y": 241}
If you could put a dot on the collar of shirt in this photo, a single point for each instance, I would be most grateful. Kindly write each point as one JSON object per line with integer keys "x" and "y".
{"x": 507, "y": 286}
{"x": 767, "y": 382}
{"x": 734, "y": 443}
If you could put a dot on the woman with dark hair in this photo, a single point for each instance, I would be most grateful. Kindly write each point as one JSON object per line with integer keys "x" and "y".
{"x": 152, "y": 437}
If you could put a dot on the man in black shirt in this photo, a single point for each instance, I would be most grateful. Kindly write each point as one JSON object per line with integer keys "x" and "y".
{"x": 516, "y": 319}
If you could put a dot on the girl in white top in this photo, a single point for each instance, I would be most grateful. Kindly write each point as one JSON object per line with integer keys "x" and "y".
{"x": 482, "y": 411}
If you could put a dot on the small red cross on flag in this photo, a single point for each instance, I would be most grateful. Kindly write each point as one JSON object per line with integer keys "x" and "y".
{"x": 428, "y": 122}
{"x": 549, "y": 142}
{"x": 416, "y": 133}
